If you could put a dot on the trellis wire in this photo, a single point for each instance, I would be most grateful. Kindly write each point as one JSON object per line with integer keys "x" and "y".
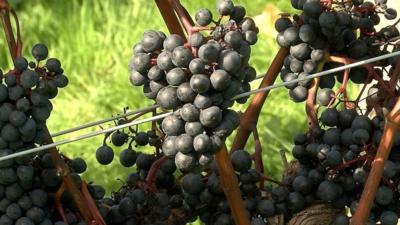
{"x": 320, "y": 74}
{"x": 95, "y": 123}
{"x": 84, "y": 136}
{"x": 245, "y": 94}
{"x": 95, "y": 133}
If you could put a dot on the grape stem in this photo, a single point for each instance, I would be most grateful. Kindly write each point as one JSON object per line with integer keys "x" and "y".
{"x": 249, "y": 118}
{"x": 369, "y": 67}
{"x": 169, "y": 17}
{"x": 311, "y": 109}
{"x": 151, "y": 176}
{"x": 375, "y": 175}
{"x": 15, "y": 46}
{"x": 257, "y": 156}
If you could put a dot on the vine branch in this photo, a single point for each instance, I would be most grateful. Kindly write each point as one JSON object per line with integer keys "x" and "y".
{"x": 250, "y": 118}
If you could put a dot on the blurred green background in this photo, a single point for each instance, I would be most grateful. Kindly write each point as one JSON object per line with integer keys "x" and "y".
{"x": 94, "y": 39}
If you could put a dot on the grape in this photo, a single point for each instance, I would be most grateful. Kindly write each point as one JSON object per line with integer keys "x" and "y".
{"x": 220, "y": 80}
{"x": 79, "y": 165}
{"x": 241, "y": 160}
{"x": 306, "y": 33}
{"x": 171, "y": 42}
{"x": 360, "y": 175}
{"x": 211, "y": 117}
{"x": 266, "y": 208}
{"x": 20, "y": 63}
{"x": 200, "y": 83}
{"x": 151, "y": 41}
{"x": 167, "y": 98}
{"x": 185, "y": 93}
{"x": 164, "y": 62}
{"x": 127, "y": 157}
{"x": 390, "y": 13}
{"x": 298, "y": 94}
{"x": 184, "y": 143}
{"x": 203, "y": 17}
{"x": 54, "y": 65}
{"x": 185, "y": 162}
{"x": 61, "y": 80}
{"x": 357, "y": 49}
{"x": 233, "y": 39}
{"x": 137, "y": 78}
{"x": 196, "y": 66}
{"x": 300, "y": 51}
{"x": 196, "y": 39}
{"x": 192, "y": 183}
{"x": 27, "y": 221}
{"x": 312, "y": 8}
{"x": 35, "y": 214}
{"x": 208, "y": 53}
{"x": 324, "y": 96}
{"x": 176, "y": 76}
{"x": 282, "y": 24}
{"x": 202, "y": 143}
{"x": 389, "y": 218}
{"x": 384, "y": 195}
{"x": 225, "y": 7}
{"x": 172, "y": 125}
{"x": 181, "y": 56}
{"x": 40, "y": 52}
{"x": 194, "y": 128}
{"x": 361, "y": 122}
{"x": 238, "y": 13}
{"x": 189, "y": 113}
{"x": 119, "y": 138}
{"x": 104, "y": 155}
{"x": 291, "y": 35}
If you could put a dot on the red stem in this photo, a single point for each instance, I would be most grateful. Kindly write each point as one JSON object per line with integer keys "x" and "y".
{"x": 151, "y": 176}
{"x": 310, "y": 105}
{"x": 183, "y": 16}
{"x": 250, "y": 118}
{"x": 257, "y": 157}
{"x": 375, "y": 175}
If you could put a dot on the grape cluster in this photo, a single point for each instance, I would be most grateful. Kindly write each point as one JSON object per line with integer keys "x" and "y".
{"x": 197, "y": 80}
{"x": 333, "y": 164}
{"x": 322, "y": 30}
{"x": 25, "y": 99}
{"x": 205, "y": 194}
{"x": 141, "y": 202}
{"x": 25, "y": 182}
{"x": 119, "y": 138}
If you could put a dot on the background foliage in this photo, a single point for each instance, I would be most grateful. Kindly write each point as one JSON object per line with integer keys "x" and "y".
{"x": 93, "y": 39}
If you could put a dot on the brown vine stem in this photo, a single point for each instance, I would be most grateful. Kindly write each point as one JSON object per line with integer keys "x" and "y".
{"x": 230, "y": 186}
{"x": 257, "y": 156}
{"x": 169, "y": 17}
{"x": 64, "y": 172}
{"x": 15, "y": 48}
{"x": 250, "y": 118}
{"x": 310, "y": 105}
{"x": 8, "y": 31}
{"x": 375, "y": 175}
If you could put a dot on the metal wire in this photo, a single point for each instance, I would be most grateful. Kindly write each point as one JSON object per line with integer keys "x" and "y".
{"x": 84, "y": 136}
{"x": 95, "y": 133}
{"x": 320, "y": 74}
{"x": 95, "y": 123}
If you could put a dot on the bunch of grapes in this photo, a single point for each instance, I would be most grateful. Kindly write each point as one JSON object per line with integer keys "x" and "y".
{"x": 333, "y": 164}
{"x": 205, "y": 194}
{"x": 142, "y": 202}
{"x": 25, "y": 182}
{"x": 119, "y": 138}
{"x": 197, "y": 80}
{"x": 331, "y": 28}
